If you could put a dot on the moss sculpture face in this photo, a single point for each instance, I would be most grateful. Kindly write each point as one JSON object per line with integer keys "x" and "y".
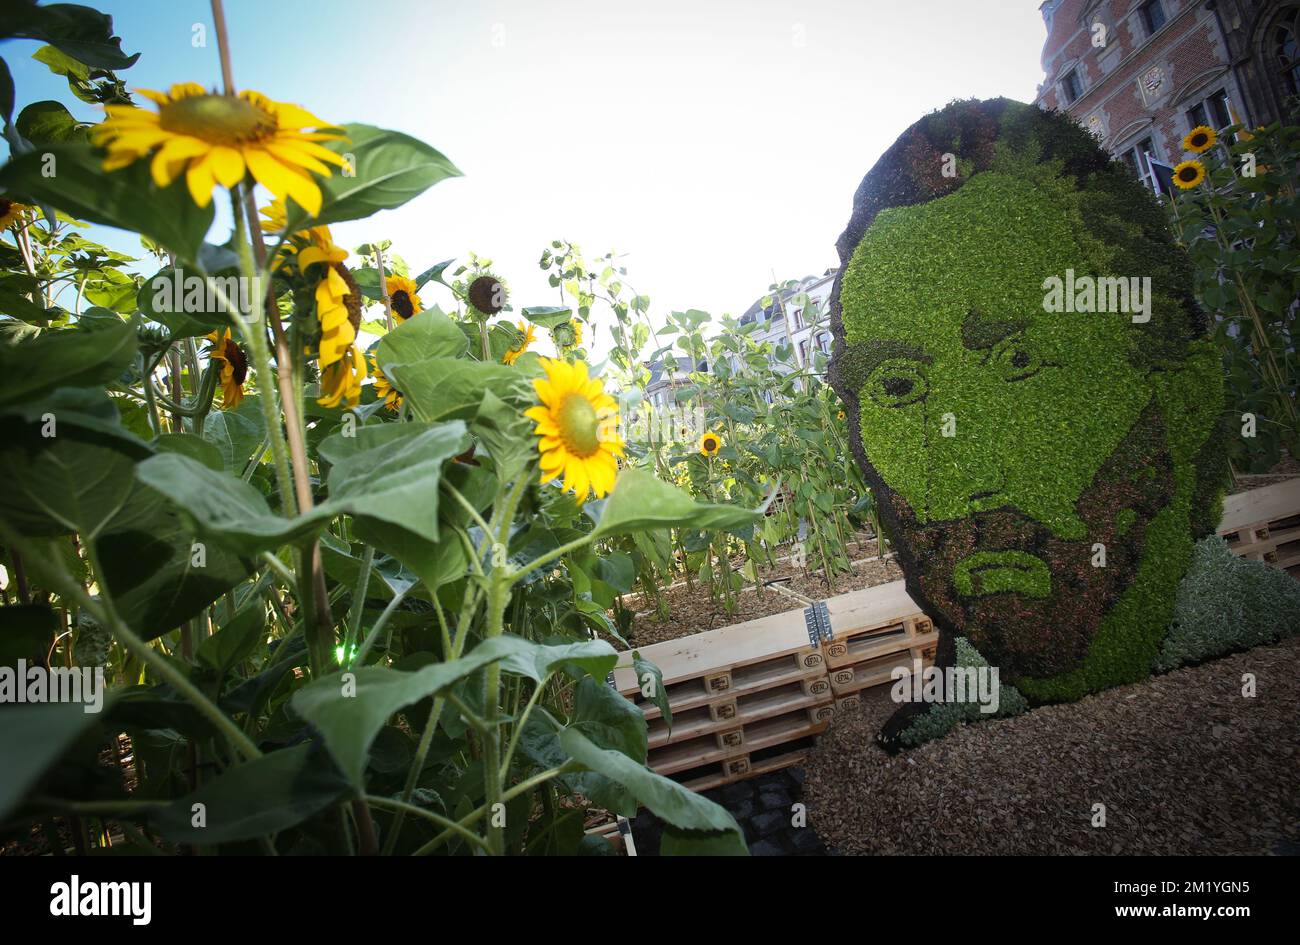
{"x": 1038, "y": 469}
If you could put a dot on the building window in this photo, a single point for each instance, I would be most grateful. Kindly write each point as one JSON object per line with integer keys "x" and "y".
{"x": 803, "y": 352}
{"x": 1286, "y": 38}
{"x": 824, "y": 341}
{"x": 1071, "y": 88}
{"x": 1153, "y": 15}
{"x": 1214, "y": 112}
{"x": 798, "y": 318}
{"x": 1136, "y": 159}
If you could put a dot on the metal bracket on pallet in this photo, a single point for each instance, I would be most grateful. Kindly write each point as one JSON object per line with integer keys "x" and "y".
{"x": 609, "y": 681}
{"x": 818, "y": 620}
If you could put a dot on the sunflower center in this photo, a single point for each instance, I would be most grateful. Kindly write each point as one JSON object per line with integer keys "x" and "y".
{"x": 578, "y": 425}
{"x": 401, "y": 303}
{"x": 1187, "y": 173}
{"x": 217, "y": 119}
{"x": 485, "y": 294}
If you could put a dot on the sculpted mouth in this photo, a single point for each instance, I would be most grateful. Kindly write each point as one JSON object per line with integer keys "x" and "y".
{"x": 1002, "y": 572}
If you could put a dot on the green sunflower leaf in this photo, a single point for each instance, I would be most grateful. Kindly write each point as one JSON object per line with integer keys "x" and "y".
{"x": 701, "y": 826}
{"x": 71, "y": 177}
{"x": 390, "y": 168}
{"x": 350, "y": 712}
{"x": 640, "y": 502}
{"x": 68, "y": 357}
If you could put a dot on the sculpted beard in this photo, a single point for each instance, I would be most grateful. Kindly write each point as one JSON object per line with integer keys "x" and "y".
{"x": 1034, "y": 636}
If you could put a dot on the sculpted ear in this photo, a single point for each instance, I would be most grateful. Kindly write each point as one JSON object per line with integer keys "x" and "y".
{"x": 1186, "y": 392}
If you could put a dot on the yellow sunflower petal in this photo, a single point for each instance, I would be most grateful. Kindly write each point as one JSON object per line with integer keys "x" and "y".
{"x": 199, "y": 179}
{"x": 284, "y": 181}
{"x": 227, "y": 165}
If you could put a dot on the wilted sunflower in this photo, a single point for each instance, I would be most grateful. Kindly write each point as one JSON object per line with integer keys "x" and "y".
{"x": 338, "y": 298}
{"x": 710, "y": 443}
{"x": 487, "y": 294}
{"x": 1200, "y": 139}
{"x": 384, "y": 389}
{"x": 218, "y": 139}
{"x": 340, "y": 383}
{"x": 577, "y": 422}
{"x": 567, "y": 335}
{"x": 402, "y": 297}
{"x": 839, "y": 415}
{"x": 529, "y": 336}
{"x": 11, "y": 210}
{"x": 1188, "y": 174}
{"x": 234, "y": 367}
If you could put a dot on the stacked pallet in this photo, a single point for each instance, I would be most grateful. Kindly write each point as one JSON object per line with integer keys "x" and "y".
{"x": 874, "y": 632}
{"x": 1264, "y": 525}
{"x": 745, "y": 699}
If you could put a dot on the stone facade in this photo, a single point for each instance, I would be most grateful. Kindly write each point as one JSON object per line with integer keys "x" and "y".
{"x": 1139, "y": 74}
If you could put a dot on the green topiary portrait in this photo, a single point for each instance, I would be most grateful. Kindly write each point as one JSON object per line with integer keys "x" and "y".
{"x": 1044, "y": 468}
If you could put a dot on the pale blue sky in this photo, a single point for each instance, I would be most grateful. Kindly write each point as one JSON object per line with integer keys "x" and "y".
{"x": 712, "y": 142}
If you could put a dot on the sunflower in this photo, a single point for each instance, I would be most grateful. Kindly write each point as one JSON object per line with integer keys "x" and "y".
{"x": 234, "y": 367}
{"x": 577, "y": 422}
{"x": 340, "y": 383}
{"x": 487, "y": 294}
{"x": 839, "y": 415}
{"x": 10, "y": 211}
{"x": 511, "y": 356}
{"x": 402, "y": 297}
{"x": 1188, "y": 174}
{"x": 710, "y": 443}
{"x": 1200, "y": 139}
{"x": 218, "y": 139}
{"x": 384, "y": 389}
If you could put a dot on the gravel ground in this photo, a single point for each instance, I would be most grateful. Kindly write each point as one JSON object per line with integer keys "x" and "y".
{"x": 1183, "y": 763}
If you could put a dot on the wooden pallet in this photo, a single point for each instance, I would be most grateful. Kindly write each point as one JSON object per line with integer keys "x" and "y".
{"x": 804, "y": 693}
{"x": 874, "y": 622}
{"x": 718, "y": 667}
{"x": 617, "y": 832}
{"x": 750, "y": 765}
{"x": 847, "y": 682}
{"x": 741, "y": 740}
{"x": 1264, "y": 525}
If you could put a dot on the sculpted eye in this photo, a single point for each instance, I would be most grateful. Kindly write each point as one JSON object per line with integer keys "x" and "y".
{"x": 1016, "y": 359}
{"x": 897, "y": 383}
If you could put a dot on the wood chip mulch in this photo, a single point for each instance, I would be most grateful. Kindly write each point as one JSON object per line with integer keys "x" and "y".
{"x": 692, "y": 611}
{"x": 1184, "y": 764}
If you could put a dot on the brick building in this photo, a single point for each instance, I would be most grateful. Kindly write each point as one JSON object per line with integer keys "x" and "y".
{"x": 1140, "y": 74}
